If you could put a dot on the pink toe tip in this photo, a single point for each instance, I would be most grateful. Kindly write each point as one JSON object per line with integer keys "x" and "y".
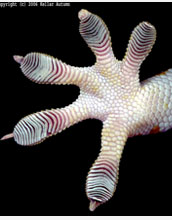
{"x": 7, "y": 136}
{"x": 18, "y": 59}
{"x": 93, "y": 205}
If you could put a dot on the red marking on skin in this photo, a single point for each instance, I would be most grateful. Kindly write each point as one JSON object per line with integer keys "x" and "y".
{"x": 104, "y": 43}
{"x": 155, "y": 130}
{"x": 162, "y": 73}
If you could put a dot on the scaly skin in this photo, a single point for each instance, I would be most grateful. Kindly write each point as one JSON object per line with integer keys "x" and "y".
{"x": 110, "y": 92}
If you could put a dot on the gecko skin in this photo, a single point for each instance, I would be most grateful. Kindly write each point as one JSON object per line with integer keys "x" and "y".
{"x": 110, "y": 91}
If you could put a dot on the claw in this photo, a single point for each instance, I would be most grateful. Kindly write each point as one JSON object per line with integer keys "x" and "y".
{"x": 93, "y": 205}
{"x": 18, "y": 59}
{"x": 7, "y": 136}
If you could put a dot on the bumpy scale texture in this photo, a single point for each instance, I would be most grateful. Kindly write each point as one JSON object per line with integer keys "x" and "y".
{"x": 109, "y": 91}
